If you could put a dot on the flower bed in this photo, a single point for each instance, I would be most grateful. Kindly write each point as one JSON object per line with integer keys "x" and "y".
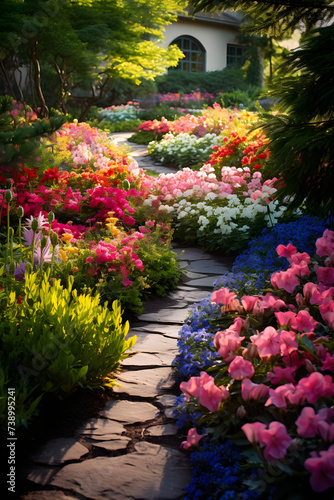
{"x": 76, "y": 239}
{"x": 265, "y": 381}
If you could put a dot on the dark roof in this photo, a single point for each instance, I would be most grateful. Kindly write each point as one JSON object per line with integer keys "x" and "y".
{"x": 228, "y": 18}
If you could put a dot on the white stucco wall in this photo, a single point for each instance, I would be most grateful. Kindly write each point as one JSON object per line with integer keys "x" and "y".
{"x": 213, "y": 36}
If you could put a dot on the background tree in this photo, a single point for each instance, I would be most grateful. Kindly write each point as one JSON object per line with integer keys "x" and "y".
{"x": 92, "y": 43}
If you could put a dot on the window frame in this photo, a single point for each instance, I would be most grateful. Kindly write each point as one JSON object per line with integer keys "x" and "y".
{"x": 188, "y": 52}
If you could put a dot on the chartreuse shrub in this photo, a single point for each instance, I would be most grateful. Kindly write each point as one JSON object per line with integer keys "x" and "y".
{"x": 54, "y": 340}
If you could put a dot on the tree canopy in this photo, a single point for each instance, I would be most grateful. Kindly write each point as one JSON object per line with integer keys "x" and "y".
{"x": 90, "y": 42}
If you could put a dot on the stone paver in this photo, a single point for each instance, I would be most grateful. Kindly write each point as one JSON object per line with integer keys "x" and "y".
{"x": 146, "y": 383}
{"x": 112, "y": 458}
{"x": 152, "y": 472}
{"x": 129, "y": 412}
{"x": 162, "y": 430}
{"x": 165, "y": 316}
{"x": 59, "y": 451}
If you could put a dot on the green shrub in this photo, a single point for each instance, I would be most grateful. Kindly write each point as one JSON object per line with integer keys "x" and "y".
{"x": 239, "y": 99}
{"x": 226, "y": 80}
{"x": 144, "y": 137}
{"x": 53, "y": 340}
{"x": 159, "y": 111}
{"x": 110, "y": 127}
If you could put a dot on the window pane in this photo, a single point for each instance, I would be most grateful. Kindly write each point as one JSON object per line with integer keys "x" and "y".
{"x": 186, "y": 44}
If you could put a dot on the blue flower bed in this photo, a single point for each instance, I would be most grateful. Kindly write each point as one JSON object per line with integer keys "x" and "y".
{"x": 219, "y": 471}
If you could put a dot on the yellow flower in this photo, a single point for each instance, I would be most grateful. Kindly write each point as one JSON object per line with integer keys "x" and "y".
{"x": 73, "y": 250}
{"x": 67, "y": 237}
{"x": 112, "y": 220}
{"x": 63, "y": 255}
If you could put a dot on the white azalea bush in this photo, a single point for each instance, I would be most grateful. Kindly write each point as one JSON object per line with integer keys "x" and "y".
{"x": 184, "y": 150}
{"x": 219, "y": 215}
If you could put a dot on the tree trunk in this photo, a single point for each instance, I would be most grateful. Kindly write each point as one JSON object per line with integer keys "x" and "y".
{"x": 63, "y": 83}
{"x": 92, "y": 100}
{"x": 44, "y": 113}
{"x": 9, "y": 83}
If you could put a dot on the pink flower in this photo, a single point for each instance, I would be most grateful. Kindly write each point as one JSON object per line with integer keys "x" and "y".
{"x": 253, "y": 431}
{"x": 276, "y": 441}
{"x": 204, "y": 388}
{"x": 325, "y": 245}
{"x": 307, "y": 423}
{"x": 267, "y": 342}
{"x": 326, "y": 431}
{"x": 227, "y": 342}
{"x": 278, "y": 374}
{"x": 328, "y": 364}
{"x": 191, "y": 388}
{"x": 327, "y": 312}
{"x": 285, "y": 318}
{"x": 222, "y": 296}
{"x": 288, "y": 343}
{"x": 193, "y": 439}
{"x": 249, "y": 390}
{"x": 325, "y": 275}
{"x": 249, "y": 302}
{"x": 303, "y": 322}
{"x": 211, "y": 395}
{"x": 322, "y": 469}
{"x": 316, "y": 386}
{"x": 286, "y": 251}
{"x": 285, "y": 279}
{"x": 240, "y": 368}
{"x": 269, "y": 301}
{"x": 277, "y": 397}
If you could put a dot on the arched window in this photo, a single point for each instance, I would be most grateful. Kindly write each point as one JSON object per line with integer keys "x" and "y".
{"x": 194, "y": 53}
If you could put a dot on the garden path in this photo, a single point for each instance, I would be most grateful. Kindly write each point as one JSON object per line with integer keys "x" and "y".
{"x": 131, "y": 450}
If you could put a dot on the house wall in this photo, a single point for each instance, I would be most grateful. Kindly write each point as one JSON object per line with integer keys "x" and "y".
{"x": 213, "y": 36}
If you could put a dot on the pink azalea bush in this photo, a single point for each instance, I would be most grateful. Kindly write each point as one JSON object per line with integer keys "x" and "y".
{"x": 275, "y": 373}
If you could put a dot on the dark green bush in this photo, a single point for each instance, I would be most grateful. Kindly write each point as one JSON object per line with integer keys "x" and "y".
{"x": 226, "y": 80}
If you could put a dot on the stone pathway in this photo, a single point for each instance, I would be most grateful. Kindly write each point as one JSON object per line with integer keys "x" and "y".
{"x": 131, "y": 450}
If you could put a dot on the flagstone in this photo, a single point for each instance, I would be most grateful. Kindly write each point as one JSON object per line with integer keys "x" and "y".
{"x": 166, "y": 315}
{"x": 59, "y": 451}
{"x": 152, "y": 472}
{"x": 206, "y": 283}
{"x": 208, "y": 266}
{"x": 145, "y": 383}
{"x": 171, "y": 331}
{"x": 41, "y": 475}
{"x": 129, "y": 412}
{"x": 119, "y": 444}
{"x": 162, "y": 430}
{"x": 48, "y": 495}
{"x": 156, "y": 344}
{"x": 143, "y": 359}
{"x": 194, "y": 275}
{"x": 166, "y": 399}
{"x": 101, "y": 426}
{"x": 190, "y": 253}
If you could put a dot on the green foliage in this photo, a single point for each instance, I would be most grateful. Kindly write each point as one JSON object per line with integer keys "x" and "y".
{"x": 54, "y": 340}
{"x": 21, "y": 131}
{"x": 275, "y": 16}
{"x": 143, "y": 137}
{"x": 109, "y": 127}
{"x": 239, "y": 99}
{"x": 226, "y": 80}
{"x": 159, "y": 111}
{"x": 302, "y": 140}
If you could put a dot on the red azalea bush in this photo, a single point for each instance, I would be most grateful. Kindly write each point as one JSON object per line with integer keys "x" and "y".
{"x": 274, "y": 381}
